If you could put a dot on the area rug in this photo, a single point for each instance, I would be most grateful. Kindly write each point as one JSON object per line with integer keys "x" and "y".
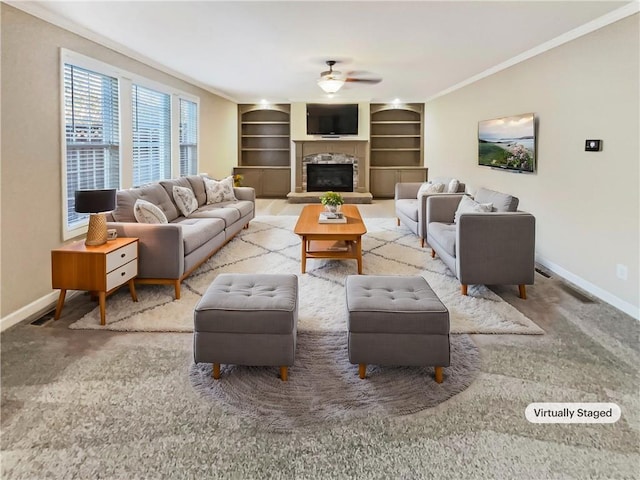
{"x": 324, "y": 387}
{"x": 270, "y": 246}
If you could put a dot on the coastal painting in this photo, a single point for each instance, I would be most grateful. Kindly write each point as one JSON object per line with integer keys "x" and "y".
{"x": 508, "y": 142}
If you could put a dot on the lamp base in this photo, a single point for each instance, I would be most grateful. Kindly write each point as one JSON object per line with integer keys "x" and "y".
{"x": 97, "y": 232}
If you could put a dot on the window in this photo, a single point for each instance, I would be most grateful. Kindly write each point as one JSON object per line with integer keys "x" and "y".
{"x": 188, "y": 137}
{"x": 120, "y": 130}
{"x": 91, "y": 136}
{"x": 151, "y": 135}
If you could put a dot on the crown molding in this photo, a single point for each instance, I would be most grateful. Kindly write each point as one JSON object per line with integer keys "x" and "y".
{"x": 36, "y": 10}
{"x": 600, "y": 22}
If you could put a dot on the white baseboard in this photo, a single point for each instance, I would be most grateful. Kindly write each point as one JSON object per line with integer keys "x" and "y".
{"x": 589, "y": 287}
{"x": 34, "y": 309}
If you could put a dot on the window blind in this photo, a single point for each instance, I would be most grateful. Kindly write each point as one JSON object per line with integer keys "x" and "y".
{"x": 91, "y": 135}
{"x": 188, "y": 137}
{"x": 151, "y": 135}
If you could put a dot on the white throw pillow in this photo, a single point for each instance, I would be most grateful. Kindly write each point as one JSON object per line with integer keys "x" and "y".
{"x": 453, "y": 186}
{"x": 219, "y": 191}
{"x": 147, "y": 212}
{"x": 429, "y": 187}
{"x": 467, "y": 205}
{"x": 185, "y": 200}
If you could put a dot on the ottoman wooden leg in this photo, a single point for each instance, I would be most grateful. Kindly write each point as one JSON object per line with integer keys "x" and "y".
{"x": 438, "y": 374}
{"x": 216, "y": 371}
{"x": 284, "y": 374}
{"x": 433, "y": 253}
{"x": 362, "y": 370}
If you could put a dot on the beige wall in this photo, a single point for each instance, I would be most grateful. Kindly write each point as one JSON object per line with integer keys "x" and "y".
{"x": 586, "y": 204}
{"x": 31, "y": 220}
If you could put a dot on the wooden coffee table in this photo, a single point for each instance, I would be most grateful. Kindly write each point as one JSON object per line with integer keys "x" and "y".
{"x": 330, "y": 240}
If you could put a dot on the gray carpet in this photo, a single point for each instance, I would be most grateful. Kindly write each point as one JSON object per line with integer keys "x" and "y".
{"x": 84, "y": 404}
{"x": 324, "y": 387}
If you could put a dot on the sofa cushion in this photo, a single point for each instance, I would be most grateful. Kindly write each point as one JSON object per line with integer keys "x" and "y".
{"x": 502, "y": 202}
{"x": 146, "y": 212}
{"x": 409, "y": 207}
{"x": 197, "y": 185}
{"x": 197, "y": 232}
{"x": 219, "y": 191}
{"x": 245, "y": 207}
{"x": 228, "y": 214}
{"x": 153, "y": 193}
{"x": 467, "y": 205}
{"x": 452, "y": 186}
{"x": 429, "y": 187}
{"x": 185, "y": 200}
{"x": 445, "y": 235}
{"x": 174, "y": 182}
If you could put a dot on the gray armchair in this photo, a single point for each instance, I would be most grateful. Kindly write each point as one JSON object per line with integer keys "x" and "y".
{"x": 489, "y": 248}
{"x": 411, "y": 210}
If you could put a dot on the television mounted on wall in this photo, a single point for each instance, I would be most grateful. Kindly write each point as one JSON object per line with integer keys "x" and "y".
{"x": 332, "y": 119}
{"x": 508, "y": 143}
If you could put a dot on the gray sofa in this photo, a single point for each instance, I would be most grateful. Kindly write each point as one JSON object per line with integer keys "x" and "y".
{"x": 169, "y": 252}
{"x": 411, "y": 210}
{"x": 489, "y": 248}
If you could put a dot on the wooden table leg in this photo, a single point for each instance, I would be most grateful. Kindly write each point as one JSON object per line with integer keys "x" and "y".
{"x": 102, "y": 298}
{"x": 303, "y": 256}
{"x": 132, "y": 290}
{"x": 359, "y": 254}
{"x": 60, "y": 304}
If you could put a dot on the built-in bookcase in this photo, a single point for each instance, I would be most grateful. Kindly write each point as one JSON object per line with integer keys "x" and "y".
{"x": 264, "y": 150}
{"x": 397, "y": 146}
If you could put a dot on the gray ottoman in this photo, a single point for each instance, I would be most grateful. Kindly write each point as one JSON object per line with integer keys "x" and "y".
{"x": 247, "y": 319}
{"x": 396, "y": 320}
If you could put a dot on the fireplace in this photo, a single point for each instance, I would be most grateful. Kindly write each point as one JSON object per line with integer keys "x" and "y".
{"x": 322, "y": 177}
{"x": 353, "y": 153}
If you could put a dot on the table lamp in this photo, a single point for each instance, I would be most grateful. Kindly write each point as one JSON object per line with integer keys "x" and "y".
{"x": 95, "y": 202}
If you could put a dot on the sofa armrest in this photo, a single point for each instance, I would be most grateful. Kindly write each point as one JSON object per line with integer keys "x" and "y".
{"x": 407, "y": 190}
{"x": 160, "y": 248}
{"x": 496, "y": 248}
{"x": 441, "y": 208}
{"x": 245, "y": 193}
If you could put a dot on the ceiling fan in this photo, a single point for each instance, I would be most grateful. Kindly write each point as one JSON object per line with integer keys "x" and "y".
{"x": 331, "y": 80}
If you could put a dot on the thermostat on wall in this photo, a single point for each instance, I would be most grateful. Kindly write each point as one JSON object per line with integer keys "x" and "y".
{"x": 593, "y": 145}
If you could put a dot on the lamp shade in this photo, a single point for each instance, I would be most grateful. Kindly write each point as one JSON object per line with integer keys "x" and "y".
{"x": 330, "y": 84}
{"x": 95, "y": 201}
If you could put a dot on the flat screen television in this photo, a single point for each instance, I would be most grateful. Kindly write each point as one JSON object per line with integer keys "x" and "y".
{"x": 508, "y": 143}
{"x": 332, "y": 119}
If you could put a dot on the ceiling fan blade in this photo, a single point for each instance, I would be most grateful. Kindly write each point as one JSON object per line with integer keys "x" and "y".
{"x": 363, "y": 80}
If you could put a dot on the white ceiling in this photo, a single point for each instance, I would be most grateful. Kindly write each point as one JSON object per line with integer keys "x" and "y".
{"x": 248, "y": 51}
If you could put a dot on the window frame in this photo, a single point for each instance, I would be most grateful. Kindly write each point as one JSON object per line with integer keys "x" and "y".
{"x": 126, "y": 80}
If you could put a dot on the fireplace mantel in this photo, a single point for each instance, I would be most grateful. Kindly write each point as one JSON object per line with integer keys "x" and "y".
{"x": 356, "y": 148}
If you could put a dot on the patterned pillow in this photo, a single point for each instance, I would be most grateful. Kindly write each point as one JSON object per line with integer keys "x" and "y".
{"x": 219, "y": 191}
{"x": 147, "y": 212}
{"x": 467, "y": 205}
{"x": 429, "y": 187}
{"x": 453, "y": 186}
{"x": 185, "y": 200}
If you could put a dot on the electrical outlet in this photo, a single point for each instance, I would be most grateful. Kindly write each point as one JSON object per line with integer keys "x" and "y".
{"x": 622, "y": 271}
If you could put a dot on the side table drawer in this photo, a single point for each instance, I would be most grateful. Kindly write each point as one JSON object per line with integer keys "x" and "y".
{"x": 122, "y": 274}
{"x": 123, "y": 255}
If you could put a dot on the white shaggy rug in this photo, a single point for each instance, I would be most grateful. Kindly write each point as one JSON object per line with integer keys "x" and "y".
{"x": 270, "y": 246}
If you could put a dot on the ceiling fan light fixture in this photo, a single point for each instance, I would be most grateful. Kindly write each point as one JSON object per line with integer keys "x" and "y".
{"x": 330, "y": 84}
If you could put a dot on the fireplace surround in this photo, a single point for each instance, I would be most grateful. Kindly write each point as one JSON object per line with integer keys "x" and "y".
{"x": 332, "y": 152}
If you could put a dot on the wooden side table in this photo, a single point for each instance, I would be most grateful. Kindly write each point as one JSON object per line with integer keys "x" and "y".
{"x": 101, "y": 269}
